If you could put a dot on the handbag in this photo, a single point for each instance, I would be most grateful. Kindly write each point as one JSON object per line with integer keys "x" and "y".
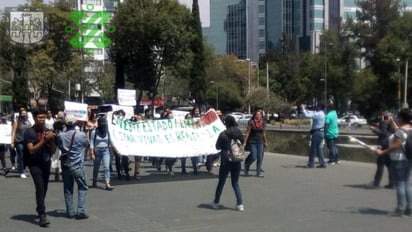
{"x": 64, "y": 158}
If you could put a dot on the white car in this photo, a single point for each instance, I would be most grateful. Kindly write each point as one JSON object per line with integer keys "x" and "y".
{"x": 237, "y": 115}
{"x": 244, "y": 119}
{"x": 354, "y": 121}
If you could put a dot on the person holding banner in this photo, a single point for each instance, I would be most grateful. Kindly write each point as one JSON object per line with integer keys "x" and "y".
{"x": 223, "y": 144}
{"x": 195, "y": 116}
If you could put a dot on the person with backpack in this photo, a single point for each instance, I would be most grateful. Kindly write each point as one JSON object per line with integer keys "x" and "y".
{"x": 223, "y": 144}
{"x": 400, "y": 166}
{"x": 100, "y": 150}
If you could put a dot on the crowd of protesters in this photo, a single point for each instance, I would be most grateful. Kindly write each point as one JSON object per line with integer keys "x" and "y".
{"x": 63, "y": 145}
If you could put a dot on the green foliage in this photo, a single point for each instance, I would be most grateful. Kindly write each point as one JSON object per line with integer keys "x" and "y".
{"x": 151, "y": 37}
{"x": 197, "y": 75}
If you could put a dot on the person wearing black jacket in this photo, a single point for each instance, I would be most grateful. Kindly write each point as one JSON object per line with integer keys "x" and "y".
{"x": 226, "y": 166}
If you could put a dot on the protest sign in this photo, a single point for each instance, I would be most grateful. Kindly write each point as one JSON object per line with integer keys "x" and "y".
{"x": 79, "y": 110}
{"x": 166, "y": 138}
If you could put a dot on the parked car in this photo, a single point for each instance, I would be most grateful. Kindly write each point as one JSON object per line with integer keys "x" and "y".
{"x": 244, "y": 119}
{"x": 237, "y": 115}
{"x": 354, "y": 121}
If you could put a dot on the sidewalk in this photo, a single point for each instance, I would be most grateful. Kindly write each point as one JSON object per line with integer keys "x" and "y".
{"x": 289, "y": 198}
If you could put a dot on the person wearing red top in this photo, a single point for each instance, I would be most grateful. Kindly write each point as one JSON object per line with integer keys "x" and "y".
{"x": 256, "y": 140}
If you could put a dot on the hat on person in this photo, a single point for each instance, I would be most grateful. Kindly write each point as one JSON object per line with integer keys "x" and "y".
{"x": 70, "y": 120}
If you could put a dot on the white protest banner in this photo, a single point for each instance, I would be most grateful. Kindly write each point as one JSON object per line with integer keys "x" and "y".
{"x": 166, "y": 138}
{"x": 126, "y": 97}
{"x": 5, "y": 133}
{"x": 79, "y": 110}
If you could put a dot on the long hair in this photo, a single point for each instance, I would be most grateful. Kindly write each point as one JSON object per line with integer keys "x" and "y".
{"x": 102, "y": 128}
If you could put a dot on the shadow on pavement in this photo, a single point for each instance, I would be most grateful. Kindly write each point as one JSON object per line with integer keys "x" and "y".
{"x": 361, "y": 186}
{"x": 207, "y": 206}
{"x": 58, "y": 213}
{"x": 162, "y": 176}
{"x": 371, "y": 211}
{"x": 29, "y": 218}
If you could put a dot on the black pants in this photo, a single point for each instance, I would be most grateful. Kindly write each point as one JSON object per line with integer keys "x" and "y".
{"x": 40, "y": 175}
{"x": 122, "y": 164}
{"x": 381, "y": 162}
{"x": 209, "y": 161}
{"x": 194, "y": 159}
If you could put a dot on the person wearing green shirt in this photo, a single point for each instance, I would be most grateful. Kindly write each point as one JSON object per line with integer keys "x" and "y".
{"x": 331, "y": 134}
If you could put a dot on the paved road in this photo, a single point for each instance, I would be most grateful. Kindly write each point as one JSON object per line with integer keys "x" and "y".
{"x": 289, "y": 198}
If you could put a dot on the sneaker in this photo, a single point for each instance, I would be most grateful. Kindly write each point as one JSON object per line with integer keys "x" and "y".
{"x": 389, "y": 186}
{"x": 240, "y": 208}
{"x": 13, "y": 167}
{"x": 332, "y": 163}
{"x": 408, "y": 212}
{"x": 260, "y": 175}
{"x": 94, "y": 184}
{"x": 43, "y": 222}
{"x": 23, "y": 176}
{"x": 108, "y": 187}
{"x": 6, "y": 171}
{"x": 81, "y": 216}
{"x": 137, "y": 177}
{"x": 213, "y": 205}
{"x": 396, "y": 213}
{"x": 372, "y": 185}
{"x": 171, "y": 173}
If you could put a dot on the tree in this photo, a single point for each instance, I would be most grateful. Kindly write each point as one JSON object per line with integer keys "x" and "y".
{"x": 198, "y": 68}
{"x": 371, "y": 26}
{"x": 40, "y": 68}
{"x": 150, "y": 37}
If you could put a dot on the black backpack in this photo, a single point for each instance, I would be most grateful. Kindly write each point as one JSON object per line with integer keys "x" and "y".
{"x": 408, "y": 144}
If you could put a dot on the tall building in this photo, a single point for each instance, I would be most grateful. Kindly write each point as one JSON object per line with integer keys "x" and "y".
{"x": 283, "y": 19}
{"x": 233, "y": 26}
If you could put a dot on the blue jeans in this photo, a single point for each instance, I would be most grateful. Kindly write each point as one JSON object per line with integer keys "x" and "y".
{"x": 69, "y": 177}
{"x": 102, "y": 154}
{"x": 332, "y": 149}
{"x": 256, "y": 153}
{"x": 20, "y": 162}
{"x": 401, "y": 172}
{"x": 234, "y": 169}
{"x": 316, "y": 148}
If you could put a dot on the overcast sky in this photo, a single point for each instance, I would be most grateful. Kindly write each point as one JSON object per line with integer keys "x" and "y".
{"x": 13, "y": 3}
